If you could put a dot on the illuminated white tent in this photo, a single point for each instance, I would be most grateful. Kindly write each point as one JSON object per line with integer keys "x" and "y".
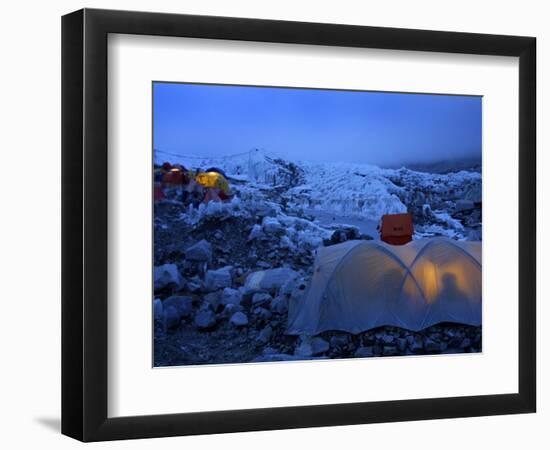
{"x": 360, "y": 285}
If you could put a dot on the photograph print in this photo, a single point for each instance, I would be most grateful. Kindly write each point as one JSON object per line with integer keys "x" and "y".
{"x": 296, "y": 224}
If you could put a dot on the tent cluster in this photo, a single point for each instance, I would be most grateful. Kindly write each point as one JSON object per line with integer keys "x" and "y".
{"x": 360, "y": 285}
{"x": 194, "y": 186}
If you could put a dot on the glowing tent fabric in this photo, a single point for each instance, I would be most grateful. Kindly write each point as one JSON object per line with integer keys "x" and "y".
{"x": 213, "y": 180}
{"x": 360, "y": 285}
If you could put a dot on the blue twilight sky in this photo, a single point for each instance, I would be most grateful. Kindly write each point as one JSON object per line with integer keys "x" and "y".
{"x": 318, "y": 125}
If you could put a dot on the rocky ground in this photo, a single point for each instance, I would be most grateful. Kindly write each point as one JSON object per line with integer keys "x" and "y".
{"x": 209, "y": 307}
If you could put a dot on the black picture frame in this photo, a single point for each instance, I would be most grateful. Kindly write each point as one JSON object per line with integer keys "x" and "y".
{"x": 84, "y": 224}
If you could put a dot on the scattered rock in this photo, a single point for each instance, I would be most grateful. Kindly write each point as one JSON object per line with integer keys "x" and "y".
{"x": 158, "y": 312}
{"x": 319, "y": 346}
{"x": 231, "y": 309}
{"x": 464, "y": 205}
{"x": 272, "y": 226}
{"x": 263, "y": 265}
{"x": 212, "y": 299}
{"x": 364, "y": 352}
{"x": 339, "y": 341}
{"x": 312, "y": 346}
{"x": 389, "y": 350}
{"x": 288, "y": 286}
{"x": 265, "y": 335}
{"x": 455, "y": 342}
{"x": 183, "y": 304}
{"x": 271, "y": 279}
{"x": 304, "y": 349}
{"x": 261, "y": 298}
{"x": 171, "y": 317}
{"x": 256, "y": 232}
{"x": 218, "y": 279}
{"x": 401, "y": 344}
{"x": 230, "y": 295}
{"x": 474, "y": 235}
{"x": 205, "y": 319}
{"x": 416, "y": 345}
{"x": 194, "y": 284}
{"x": 263, "y": 313}
{"x": 239, "y": 319}
{"x": 431, "y": 346}
{"x": 269, "y": 351}
{"x": 167, "y": 276}
{"x": 201, "y": 251}
{"x": 279, "y": 305}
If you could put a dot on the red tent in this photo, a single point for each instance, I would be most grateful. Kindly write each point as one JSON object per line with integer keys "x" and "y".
{"x": 175, "y": 177}
{"x": 158, "y": 192}
{"x": 397, "y": 229}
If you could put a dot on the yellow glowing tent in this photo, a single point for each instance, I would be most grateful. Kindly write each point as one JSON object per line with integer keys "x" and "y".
{"x": 360, "y": 285}
{"x": 213, "y": 180}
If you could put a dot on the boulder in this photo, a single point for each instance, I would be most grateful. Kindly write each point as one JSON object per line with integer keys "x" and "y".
{"x": 239, "y": 319}
{"x": 265, "y": 335}
{"x": 213, "y": 299}
{"x": 231, "y": 309}
{"x": 339, "y": 341}
{"x": 171, "y": 317}
{"x": 431, "y": 346}
{"x": 288, "y": 286}
{"x": 218, "y": 279}
{"x": 401, "y": 344}
{"x": 158, "y": 311}
{"x": 201, "y": 251}
{"x": 261, "y": 298}
{"x": 474, "y": 235}
{"x": 474, "y": 193}
{"x": 269, "y": 351}
{"x": 263, "y": 313}
{"x": 286, "y": 243}
{"x": 256, "y": 232}
{"x": 271, "y": 225}
{"x": 230, "y": 295}
{"x": 279, "y": 305}
{"x": 205, "y": 319}
{"x": 272, "y": 279}
{"x": 312, "y": 347}
{"x": 389, "y": 350}
{"x": 167, "y": 276}
{"x": 319, "y": 346}
{"x": 415, "y": 343}
{"x": 364, "y": 352}
{"x": 464, "y": 205}
{"x": 194, "y": 284}
{"x": 263, "y": 265}
{"x": 183, "y": 304}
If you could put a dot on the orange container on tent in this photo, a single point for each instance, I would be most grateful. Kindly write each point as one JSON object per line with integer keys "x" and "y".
{"x": 397, "y": 229}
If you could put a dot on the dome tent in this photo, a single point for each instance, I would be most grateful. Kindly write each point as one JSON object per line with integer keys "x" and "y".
{"x": 213, "y": 180}
{"x": 360, "y": 285}
{"x": 216, "y": 169}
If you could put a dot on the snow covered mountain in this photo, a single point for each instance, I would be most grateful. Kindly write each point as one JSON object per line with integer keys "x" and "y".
{"x": 442, "y": 204}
